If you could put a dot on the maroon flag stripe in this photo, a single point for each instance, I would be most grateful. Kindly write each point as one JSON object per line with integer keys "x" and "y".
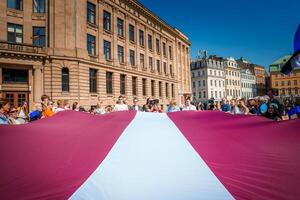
{"x": 254, "y": 158}
{"x": 51, "y": 158}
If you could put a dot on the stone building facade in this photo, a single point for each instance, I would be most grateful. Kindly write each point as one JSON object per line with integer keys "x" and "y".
{"x": 233, "y": 78}
{"x": 83, "y": 50}
{"x": 208, "y": 78}
{"x": 248, "y": 84}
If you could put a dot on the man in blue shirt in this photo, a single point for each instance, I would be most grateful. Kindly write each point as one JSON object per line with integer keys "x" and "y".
{"x": 225, "y": 107}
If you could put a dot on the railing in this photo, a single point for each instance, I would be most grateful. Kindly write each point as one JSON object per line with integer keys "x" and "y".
{"x": 20, "y": 47}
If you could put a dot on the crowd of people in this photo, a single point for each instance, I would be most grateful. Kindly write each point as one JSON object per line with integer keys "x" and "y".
{"x": 269, "y": 106}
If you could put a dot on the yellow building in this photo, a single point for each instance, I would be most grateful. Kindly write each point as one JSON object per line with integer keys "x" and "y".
{"x": 81, "y": 50}
{"x": 286, "y": 85}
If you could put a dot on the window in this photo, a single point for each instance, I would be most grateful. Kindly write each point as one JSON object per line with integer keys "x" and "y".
{"x": 167, "y": 90}
{"x": 165, "y": 67}
{"x": 93, "y": 80}
{"x": 282, "y": 83}
{"x": 296, "y": 90}
{"x": 120, "y": 54}
{"x": 134, "y": 85}
{"x": 106, "y": 21}
{"x": 194, "y": 84}
{"x": 39, "y": 36}
{"x": 150, "y": 46}
{"x": 160, "y": 89}
{"x": 141, "y": 38}
{"x": 91, "y": 44}
{"x": 211, "y": 94}
{"x": 172, "y": 90}
{"x": 295, "y": 82}
{"x": 158, "y": 65}
{"x": 65, "y": 86}
{"x": 204, "y": 94}
{"x": 120, "y": 27}
{"x": 144, "y": 86}
{"x": 14, "y": 33}
{"x": 289, "y": 83}
{"x": 14, "y": 76}
{"x": 164, "y": 50}
{"x": 200, "y": 96}
{"x": 276, "y": 83}
{"x": 122, "y": 84}
{"x": 171, "y": 69}
{"x": 203, "y": 84}
{"x": 15, "y": 4}
{"x": 216, "y": 94}
{"x": 211, "y": 82}
{"x": 152, "y": 88}
{"x": 142, "y": 60}
{"x": 170, "y": 53}
{"x": 151, "y": 63}
{"x": 215, "y": 82}
{"x": 131, "y": 33}
{"x": 91, "y": 13}
{"x": 107, "y": 50}
{"x": 109, "y": 83}
{"x": 132, "y": 57}
{"x": 199, "y": 83}
{"x": 157, "y": 46}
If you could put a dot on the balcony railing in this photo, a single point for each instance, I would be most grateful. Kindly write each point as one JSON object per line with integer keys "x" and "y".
{"x": 21, "y": 47}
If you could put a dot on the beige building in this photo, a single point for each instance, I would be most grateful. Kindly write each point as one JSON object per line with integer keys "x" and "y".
{"x": 233, "y": 78}
{"x": 84, "y": 49}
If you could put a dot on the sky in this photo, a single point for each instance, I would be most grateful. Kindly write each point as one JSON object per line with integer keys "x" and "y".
{"x": 261, "y": 31}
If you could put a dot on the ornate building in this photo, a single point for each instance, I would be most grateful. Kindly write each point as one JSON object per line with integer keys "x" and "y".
{"x": 233, "y": 78}
{"x": 286, "y": 85}
{"x": 248, "y": 84}
{"x": 84, "y": 49}
{"x": 208, "y": 78}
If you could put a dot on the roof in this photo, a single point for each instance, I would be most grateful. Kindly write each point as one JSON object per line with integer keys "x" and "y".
{"x": 281, "y": 60}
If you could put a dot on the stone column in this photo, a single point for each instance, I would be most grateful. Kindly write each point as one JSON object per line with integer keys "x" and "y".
{"x": 37, "y": 83}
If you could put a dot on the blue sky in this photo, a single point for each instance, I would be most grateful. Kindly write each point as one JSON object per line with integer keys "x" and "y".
{"x": 259, "y": 30}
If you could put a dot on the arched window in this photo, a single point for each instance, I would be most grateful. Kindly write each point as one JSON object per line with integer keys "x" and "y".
{"x": 65, "y": 86}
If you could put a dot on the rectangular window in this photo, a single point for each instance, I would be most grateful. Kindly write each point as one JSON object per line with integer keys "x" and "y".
{"x": 199, "y": 83}
{"x": 158, "y": 65}
{"x": 121, "y": 54}
{"x": 144, "y": 86}
{"x": 106, "y": 21}
{"x": 93, "y": 80}
{"x": 203, "y": 84}
{"x": 194, "y": 84}
{"x": 164, "y": 50}
{"x": 167, "y": 90}
{"x": 170, "y": 53}
{"x": 39, "y": 36}
{"x": 109, "y": 82}
{"x": 150, "y": 45}
{"x": 122, "y": 84}
{"x": 171, "y": 70}
{"x": 152, "y": 88}
{"x": 200, "y": 96}
{"x": 160, "y": 89}
{"x": 107, "y": 50}
{"x": 165, "y": 67}
{"x": 172, "y": 90}
{"x": 14, "y": 33}
{"x": 295, "y": 82}
{"x": 134, "y": 85}
{"x": 141, "y": 38}
{"x": 142, "y": 60}
{"x": 282, "y": 83}
{"x": 204, "y": 94}
{"x": 157, "y": 46}
{"x": 91, "y": 13}
{"x": 14, "y": 76}
{"x": 15, "y": 4}
{"x": 131, "y": 33}
{"x": 120, "y": 27}
{"x": 151, "y": 63}
{"x": 132, "y": 57}
{"x": 91, "y": 44}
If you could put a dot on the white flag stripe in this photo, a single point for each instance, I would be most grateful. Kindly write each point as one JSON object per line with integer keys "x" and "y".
{"x": 152, "y": 160}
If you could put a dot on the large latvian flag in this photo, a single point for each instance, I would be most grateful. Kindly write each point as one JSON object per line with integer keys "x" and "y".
{"x": 149, "y": 156}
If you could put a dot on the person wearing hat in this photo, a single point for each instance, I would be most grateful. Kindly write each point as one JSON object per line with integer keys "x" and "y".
{"x": 294, "y": 61}
{"x": 135, "y": 105}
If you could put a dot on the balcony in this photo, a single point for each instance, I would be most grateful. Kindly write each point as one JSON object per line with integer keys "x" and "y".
{"x": 21, "y": 47}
